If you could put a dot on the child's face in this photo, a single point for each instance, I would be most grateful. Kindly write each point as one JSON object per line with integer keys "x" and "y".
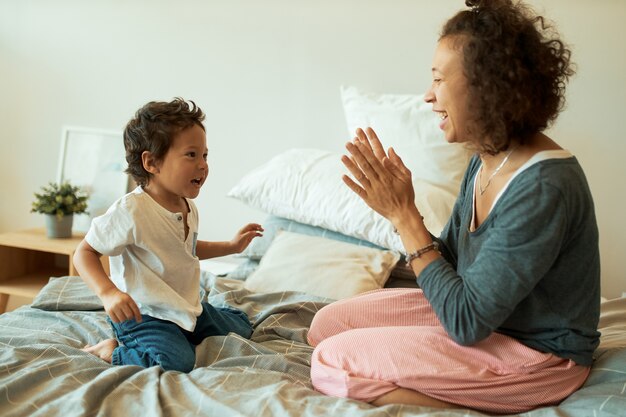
{"x": 184, "y": 167}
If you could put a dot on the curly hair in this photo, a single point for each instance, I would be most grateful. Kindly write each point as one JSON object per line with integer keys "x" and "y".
{"x": 153, "y": 128}
{"x": 516, "y": 67}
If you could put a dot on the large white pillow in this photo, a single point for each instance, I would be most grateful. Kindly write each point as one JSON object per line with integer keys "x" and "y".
{"x": 407, "y": 122}
{"x": 305, "y": 185}
{"x": 322, "y": 267}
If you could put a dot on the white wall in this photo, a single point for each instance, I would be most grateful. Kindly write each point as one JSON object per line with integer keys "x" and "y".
{"x": 267, "y": 73}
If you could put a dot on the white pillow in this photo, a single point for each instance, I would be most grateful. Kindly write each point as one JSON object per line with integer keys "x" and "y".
{"x": 305, "y": 185}
{"x": 322, "y": 267}
{"x": 408, "y": 124}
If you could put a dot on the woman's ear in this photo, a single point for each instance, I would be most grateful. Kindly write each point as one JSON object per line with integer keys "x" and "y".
{"x": 149, "y": 162}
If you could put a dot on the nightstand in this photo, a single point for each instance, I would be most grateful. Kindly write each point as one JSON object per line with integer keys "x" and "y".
{"x": 28, "y": 258}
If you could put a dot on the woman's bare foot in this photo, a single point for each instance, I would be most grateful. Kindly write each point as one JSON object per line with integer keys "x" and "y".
{"x": 410, "y": 397}
{"x": 103, "y": 350}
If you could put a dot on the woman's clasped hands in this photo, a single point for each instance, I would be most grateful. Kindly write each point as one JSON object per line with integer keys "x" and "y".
{"x": 382, "y": 181}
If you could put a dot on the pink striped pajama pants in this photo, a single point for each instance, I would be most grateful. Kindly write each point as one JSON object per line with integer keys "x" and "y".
{"x": 371, "y": 344}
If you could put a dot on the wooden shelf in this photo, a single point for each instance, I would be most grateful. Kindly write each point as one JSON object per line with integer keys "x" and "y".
{"x": 36, "y": 239}
{"x": 28, "y": 259}
{"x": 29, "y": 285}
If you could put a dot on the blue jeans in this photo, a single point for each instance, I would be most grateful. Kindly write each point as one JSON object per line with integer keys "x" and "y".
{"x": 160, "y": 342}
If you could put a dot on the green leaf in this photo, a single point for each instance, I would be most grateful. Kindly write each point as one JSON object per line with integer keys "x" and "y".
{"x": 60, "y": 199}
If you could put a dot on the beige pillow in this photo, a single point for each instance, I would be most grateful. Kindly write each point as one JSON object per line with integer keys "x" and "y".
{"x": 321, "y": 267}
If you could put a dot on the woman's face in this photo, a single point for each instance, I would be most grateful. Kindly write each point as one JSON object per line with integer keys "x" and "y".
{"x": 448, "y": 92}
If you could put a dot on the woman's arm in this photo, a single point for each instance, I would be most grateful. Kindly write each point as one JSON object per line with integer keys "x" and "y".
{"x": 504, "y": 261}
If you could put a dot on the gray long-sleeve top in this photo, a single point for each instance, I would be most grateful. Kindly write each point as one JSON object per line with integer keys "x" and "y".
{"x": 531, "y": 270}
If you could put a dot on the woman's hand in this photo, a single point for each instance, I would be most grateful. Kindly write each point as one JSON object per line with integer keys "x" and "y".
{"x": 382, "y": 181}
{"x": 245, "y": 235}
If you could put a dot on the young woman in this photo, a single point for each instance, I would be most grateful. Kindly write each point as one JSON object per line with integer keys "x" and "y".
{"x": 506, "y": 316}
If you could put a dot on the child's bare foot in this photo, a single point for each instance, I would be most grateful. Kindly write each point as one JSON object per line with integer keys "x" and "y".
{"x": 103, "y": 350}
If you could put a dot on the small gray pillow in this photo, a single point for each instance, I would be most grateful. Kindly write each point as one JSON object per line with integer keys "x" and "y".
{"x": 70, "y": 293}
{"x": 67, "y": 293}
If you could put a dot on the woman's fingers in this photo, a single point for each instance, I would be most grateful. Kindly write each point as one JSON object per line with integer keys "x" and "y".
{"x": 358, "y": 151}
{"x": 367, "y": 159}
{"x": 355, "y": 170}
{"x": 397, "y": 162}
{"x": 354, "y": 186}
{"x": 369, "y": 138}
{"x": 376, "y": 146}
{"x": 371, "y": 165}
{"x": 362, "y": 137}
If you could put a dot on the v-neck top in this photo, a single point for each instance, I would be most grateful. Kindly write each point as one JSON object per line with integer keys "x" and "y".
{"x": 538, "y": 157}
{"x": 531, "y": 270}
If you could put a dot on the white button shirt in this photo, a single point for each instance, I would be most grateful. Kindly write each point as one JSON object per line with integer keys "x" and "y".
{"x": 150, "y": 259}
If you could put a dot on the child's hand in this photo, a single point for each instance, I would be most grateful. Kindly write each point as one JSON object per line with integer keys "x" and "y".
{"x": 245, "y": 235}
{"x": 120, "y": 306}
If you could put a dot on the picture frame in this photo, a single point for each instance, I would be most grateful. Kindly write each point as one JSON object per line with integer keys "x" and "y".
{"x": 94, "y": 160}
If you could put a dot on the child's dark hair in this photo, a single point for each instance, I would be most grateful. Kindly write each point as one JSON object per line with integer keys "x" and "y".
{"x": 153, "y": 128}
{"x": 516, "y": 67}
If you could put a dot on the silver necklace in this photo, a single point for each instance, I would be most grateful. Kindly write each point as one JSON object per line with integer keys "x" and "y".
{"x": 493, "y": 174}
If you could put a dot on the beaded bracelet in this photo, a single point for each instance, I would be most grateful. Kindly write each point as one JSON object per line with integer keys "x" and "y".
{"x": 410, "y": 257}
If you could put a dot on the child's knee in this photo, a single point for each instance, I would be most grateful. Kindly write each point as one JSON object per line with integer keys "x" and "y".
{"x": 181, "y": 357}
{"x": 240, "y": 323}
{"x": 246, "y": 332}
{"x": 180, "y": 362}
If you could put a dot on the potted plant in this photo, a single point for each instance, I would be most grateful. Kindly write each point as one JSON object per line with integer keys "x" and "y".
{"x": 59, "y": 202}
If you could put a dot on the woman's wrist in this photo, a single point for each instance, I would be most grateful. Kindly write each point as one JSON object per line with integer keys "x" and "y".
{"x": 417, "y": 241}
{"x": 411, "y": 223}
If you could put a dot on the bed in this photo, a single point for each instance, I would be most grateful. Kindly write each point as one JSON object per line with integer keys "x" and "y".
{"x": 43, "y": 372}
{"x": 321, "y": 243}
